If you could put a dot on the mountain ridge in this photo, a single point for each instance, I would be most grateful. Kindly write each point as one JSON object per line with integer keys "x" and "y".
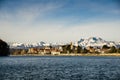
{"x": 91, "y": 41}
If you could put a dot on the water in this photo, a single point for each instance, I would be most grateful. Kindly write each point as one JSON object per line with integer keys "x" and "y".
{"x": 59, "y": 68}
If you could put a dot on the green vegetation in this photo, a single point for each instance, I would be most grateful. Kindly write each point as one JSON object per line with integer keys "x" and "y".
{"x": 118, "y": 50}
{"x": 112, "y": 49}
{"x": 84, "y": 50}
{"x": 105, "y": 47}
{"x": 79, "y": 49}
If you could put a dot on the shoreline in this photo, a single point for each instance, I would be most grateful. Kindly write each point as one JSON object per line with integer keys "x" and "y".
{"x": 73, "y": 54}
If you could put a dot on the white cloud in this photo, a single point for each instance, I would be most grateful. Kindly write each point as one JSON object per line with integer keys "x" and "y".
{"x": 51, "y": 33}
{"x": 26, "y": 14}
{"x": 31, "y": 12}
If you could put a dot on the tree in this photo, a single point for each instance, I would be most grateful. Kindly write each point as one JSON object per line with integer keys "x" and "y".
{"x": 4, "y": 48}
{"x": 113, "y": 49}
{"x": 105, "y": 47}
{"x": 118, "y": 50}
{"x": 67, "y": 49}
{"x": 84, "y": 50}
{"x": 64, "y": 49}
{"x": 79, "y": 49}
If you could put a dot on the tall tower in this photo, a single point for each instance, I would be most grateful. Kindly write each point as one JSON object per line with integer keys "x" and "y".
{"x": 71, "y": 45}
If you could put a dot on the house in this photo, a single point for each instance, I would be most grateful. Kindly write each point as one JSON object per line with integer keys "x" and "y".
{"x": 32, "y": 50}
{"x": 55, "y": 51}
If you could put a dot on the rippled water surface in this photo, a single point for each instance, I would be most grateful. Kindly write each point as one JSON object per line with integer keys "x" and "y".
{"x": 59, "y": 68}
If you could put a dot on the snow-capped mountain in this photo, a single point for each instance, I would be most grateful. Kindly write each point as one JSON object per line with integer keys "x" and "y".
{"x": 92, "y": 41}
{"x": 27, "y": 45}
{"x": 96, "y": 42}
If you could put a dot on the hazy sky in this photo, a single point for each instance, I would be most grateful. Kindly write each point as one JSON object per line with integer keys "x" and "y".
{"x": 59, "y": 20}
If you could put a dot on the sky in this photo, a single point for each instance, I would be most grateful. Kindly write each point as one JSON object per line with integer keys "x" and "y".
{"x": 30, "y": 21}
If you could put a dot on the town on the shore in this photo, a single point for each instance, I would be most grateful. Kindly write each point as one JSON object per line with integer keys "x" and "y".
{"x": 64, "y": 49}
{"x": 69, "y": 48}
{"x": 91, "y": 46}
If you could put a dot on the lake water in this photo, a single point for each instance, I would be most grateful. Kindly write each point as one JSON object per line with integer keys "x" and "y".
{"x": 59, "y": 68}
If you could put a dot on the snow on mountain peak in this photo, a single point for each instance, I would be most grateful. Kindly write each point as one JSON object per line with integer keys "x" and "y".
{"x": 26, "y": 45}
{"x": 95, "y": 39}
{"x": 92, "y": 41}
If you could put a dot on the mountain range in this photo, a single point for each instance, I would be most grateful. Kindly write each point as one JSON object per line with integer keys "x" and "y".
{"x": 91, "y": 41}
{"x": 97, "y": 42}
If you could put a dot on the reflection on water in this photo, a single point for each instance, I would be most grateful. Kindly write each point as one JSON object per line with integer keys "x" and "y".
{"x": 59, "y": 68}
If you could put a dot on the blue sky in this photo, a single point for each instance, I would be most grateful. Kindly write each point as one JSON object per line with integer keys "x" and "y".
{"x": 59, "y": 20}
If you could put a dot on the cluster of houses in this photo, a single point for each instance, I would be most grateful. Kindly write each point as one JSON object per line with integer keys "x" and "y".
{"x": 46, "y": 50}
{"x": 62, "y": 49}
